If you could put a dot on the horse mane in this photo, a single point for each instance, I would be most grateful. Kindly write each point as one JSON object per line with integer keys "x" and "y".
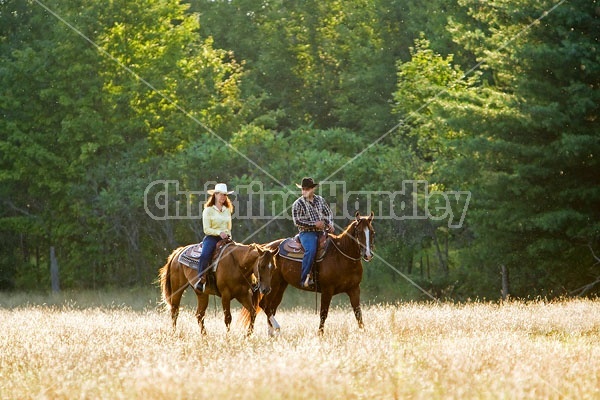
{"x": 273, "y": 246}
{"x": 256, "y": 246}
{"x": 267, "y": 247}
{"x": 350, "y": 226}
{"x": 346, "y": 231}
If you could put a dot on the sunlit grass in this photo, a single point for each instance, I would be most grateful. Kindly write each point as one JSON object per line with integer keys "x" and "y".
{"x": 474, "y": 351}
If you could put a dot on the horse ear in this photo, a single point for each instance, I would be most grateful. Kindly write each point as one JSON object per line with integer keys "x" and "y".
{"x": 258, "y": 248}
{"x": 371, "y": 216}
{"x": 272, "y": 252}
{"x": 357, "y": 215}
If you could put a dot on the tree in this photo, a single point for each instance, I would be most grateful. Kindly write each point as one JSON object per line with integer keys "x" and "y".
{"x": 531, "y": 136}
{"x": 319, "y": 63}
{"x": 87, "y": 127}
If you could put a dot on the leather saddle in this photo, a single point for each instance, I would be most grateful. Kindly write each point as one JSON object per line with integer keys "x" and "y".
{"x": 192, "y": 253}
{"x": 292, "y": 249}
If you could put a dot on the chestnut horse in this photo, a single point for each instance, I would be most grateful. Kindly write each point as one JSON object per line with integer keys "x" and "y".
{"x": 340, "y": 271}
{"x": 239, "y": 267}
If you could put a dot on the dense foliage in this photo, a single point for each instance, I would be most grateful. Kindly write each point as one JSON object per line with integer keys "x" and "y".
{"x": 486, "y": 107}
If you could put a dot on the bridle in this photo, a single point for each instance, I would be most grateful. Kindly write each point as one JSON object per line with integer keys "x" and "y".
{"x": 354, "y": 237}
{"x": 256, "y": 271}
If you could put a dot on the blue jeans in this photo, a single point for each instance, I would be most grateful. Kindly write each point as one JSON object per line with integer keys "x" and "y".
{"x": 208, "y": 248}
{"x": 310, "y": 241}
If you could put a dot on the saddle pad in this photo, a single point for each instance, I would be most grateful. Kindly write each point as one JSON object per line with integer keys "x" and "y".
{"x": 290, "y": 250}
{"x": 190, "y": 256}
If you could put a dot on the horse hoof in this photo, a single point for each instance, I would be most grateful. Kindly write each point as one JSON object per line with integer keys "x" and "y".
{"x": 274, "y": 332}
{"x": 274, "y": 323}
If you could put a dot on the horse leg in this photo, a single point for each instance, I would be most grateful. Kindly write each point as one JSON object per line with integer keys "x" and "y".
{"x": 226, "y": 302}
{"x": 325, "y": 303}
{"x": 174, "y": 314}
{"x": 354, "y": 296}
{"x": 248, "y": 305}
{"x": 274, "y": 327}
{"x": 269, "y": 304}
{"x": 174, "y": 304}
{"x": 201, "y": 310}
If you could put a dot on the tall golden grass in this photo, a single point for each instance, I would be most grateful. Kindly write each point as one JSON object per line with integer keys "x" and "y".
{"x": 515, "y": 350}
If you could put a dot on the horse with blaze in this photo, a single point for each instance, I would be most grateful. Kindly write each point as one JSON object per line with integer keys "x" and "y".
{"x": 339, "y": 271}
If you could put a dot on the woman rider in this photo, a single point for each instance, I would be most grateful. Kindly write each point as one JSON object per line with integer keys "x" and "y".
{"x": 216, "y": 221}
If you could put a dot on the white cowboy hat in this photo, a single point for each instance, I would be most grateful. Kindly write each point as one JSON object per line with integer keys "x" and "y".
{"x": 219, "y": 188}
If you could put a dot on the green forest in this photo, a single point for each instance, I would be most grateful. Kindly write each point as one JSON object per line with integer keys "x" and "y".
{"x": 468, "y": 127}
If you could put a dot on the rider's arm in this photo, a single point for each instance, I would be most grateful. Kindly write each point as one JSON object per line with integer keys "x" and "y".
{"x": 327, "y": 214}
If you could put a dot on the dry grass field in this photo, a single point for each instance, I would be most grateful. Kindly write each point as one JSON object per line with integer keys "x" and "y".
{"x": 516, "y": 350}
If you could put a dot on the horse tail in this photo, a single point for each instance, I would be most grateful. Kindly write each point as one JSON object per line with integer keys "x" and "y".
{"x": 244, "y": 318}
{"x": 165, "y": 279}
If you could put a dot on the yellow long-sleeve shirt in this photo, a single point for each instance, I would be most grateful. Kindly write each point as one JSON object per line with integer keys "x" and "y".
{"x": 215, "y": 221}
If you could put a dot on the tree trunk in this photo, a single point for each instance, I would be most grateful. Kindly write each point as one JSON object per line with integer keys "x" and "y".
{"x": 505, "y": 282}
{"x": 37, "y": 261}
{"x": 446, "y": 246}
{"x": 438, "y": 250}
{"x": 54, "y": 276}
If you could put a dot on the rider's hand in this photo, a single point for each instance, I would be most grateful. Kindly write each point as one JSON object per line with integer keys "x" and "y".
{"x": 320, "y": 225}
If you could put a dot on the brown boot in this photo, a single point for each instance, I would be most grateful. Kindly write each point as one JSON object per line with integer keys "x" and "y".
{"x": 200, "y": 284}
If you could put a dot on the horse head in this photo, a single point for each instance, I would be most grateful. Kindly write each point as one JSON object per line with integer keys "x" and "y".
{"x": 364, "y": 234}
{"x": 263, "y": 269}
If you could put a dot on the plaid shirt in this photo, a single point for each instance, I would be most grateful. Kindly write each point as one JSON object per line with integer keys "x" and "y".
{"x": 306, "y": 214}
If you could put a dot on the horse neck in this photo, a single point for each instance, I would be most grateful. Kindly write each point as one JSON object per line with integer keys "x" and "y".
{"x": 243, "y": 256}
{"x": 347, "y": 242}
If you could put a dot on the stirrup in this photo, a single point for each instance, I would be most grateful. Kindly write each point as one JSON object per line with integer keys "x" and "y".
{"x": 200, "y": 286}
{"x": 308, "y": 282}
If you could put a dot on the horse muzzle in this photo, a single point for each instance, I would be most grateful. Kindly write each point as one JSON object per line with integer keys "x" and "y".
{"x": 265, "y": 290}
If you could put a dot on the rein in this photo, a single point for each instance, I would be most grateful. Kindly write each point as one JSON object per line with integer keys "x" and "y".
{"x": 254, "y": 288}
{"x": 346, "y": 255}
{"x": 257, "y": 286}
{"x": 257, "y": 273}
{"x": 216, "y": 263}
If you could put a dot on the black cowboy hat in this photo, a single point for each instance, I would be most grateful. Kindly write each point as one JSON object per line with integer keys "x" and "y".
{"x": 307, "y": 183}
